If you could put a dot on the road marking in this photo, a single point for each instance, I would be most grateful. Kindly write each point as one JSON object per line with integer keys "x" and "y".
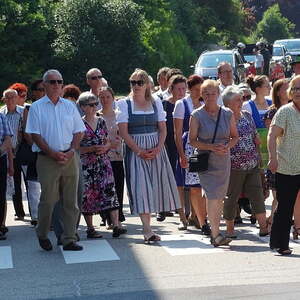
{"x": 94, "y": 250}
{"x": 266, "y": 239}
{"x": 188, "y": 244}
{"x": 6, "y": 258}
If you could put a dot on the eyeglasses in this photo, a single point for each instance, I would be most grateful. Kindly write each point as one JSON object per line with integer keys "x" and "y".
{"x": 96, "y": 77}
{"x": 54, "y": 81}
{"x": 295, "y": 89}
{"x": 248, "y": 97}
{"x": 95, "y": 104}
{"x": 137, "y": 82}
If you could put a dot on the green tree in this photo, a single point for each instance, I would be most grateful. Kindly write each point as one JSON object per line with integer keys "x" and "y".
{"x": 165, "y": 44}
{"x": 273, "y": 26}
{"x": 99, "y": 33}
{"x": 24, "y": 39}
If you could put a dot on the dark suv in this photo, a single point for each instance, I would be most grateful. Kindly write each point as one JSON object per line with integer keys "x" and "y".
{"x": 208, "y": 61}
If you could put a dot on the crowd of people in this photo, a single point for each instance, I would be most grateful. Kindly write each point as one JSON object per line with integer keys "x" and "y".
{"x": 75, "y": 150}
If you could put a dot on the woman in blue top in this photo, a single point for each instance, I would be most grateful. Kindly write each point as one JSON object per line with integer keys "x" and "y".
{"x": 260, "y": 85}
{"x": 149, "y": 177}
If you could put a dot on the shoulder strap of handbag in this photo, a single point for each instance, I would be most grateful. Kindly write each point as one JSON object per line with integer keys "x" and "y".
{"x": 217, "y": 125}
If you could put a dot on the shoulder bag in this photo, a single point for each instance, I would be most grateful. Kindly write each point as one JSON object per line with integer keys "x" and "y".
{"x": 198, "y": 162}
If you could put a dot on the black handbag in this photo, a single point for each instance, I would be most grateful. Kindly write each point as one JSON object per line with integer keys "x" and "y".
{"x": 198, "y": 162}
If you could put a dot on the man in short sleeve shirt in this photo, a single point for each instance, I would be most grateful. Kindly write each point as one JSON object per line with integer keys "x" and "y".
{"x": 56, "y": 129}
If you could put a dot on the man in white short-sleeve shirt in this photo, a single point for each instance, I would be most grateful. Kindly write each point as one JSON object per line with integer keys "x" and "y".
{"x": 56, "y": 129}
{"x": 225, "y": 74}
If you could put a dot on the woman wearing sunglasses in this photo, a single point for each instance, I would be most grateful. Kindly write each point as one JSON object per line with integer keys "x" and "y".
{"x": 149, "y": 177}
{"x": 98, "y": 182}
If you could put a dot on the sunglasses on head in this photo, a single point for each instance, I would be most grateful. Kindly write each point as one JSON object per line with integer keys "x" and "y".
{"x": 54, "y": 81}
{"x": 96, "y": 77}
{"x": 94, "y": 104}
{"x": 136, "y": 82}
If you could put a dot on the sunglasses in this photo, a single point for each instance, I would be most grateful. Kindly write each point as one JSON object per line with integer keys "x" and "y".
{"x": 248, "y": 97}
{"x": 95, "y": 104}
{"x": 137, "y": 82}
{"x": 53, "y": 81}
{"x": 96, "y": 77}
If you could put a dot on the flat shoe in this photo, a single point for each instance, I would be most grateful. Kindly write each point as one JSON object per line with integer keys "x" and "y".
{"x": 182, "y": 226}
{"x": 117, "y": 231}
{"x": 220, "y": 240}
{"x": 2, "y": 236}
{"x": 152, "y": 238}
{"x": 93, "y": 234}
{"x": 72, "y": 247}
{"x": 231, "y": 235}
{"x": 45, "y": 244}
{"x": 284, "y": 251}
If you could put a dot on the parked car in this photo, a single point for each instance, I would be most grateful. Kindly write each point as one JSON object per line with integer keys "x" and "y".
{"x": 208, "y": 62}
{"x": 280, "y": 56}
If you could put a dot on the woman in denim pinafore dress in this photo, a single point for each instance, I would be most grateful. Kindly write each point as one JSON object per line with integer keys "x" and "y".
{"x": 149, "y": 177}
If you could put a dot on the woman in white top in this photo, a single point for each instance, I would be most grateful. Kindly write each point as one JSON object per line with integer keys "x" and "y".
{"x": 149, "y": 177}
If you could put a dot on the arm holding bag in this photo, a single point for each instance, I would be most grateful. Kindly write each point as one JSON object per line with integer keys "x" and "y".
{"x": 198, "y": 162}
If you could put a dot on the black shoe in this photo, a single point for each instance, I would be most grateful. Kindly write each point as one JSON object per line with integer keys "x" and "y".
{"x": 160, "y": 217}
{"x": 238, "y": 220}
{"x": 3, "y": 229}
{"x": 169, "y": 214}
{"x": 45, "y": 244}
{"x": 59, "y": 242}
{"x": 2, "y": 236}
{"x": 253, "y": 220}
{"x": 72, "y": 247}
{"x": 33, "y": 223}
{"x": 91, "y": 233}
{"x": 117, "y": 231}
{"x": 205, "y": 229}
{"x": 245, "y": 205}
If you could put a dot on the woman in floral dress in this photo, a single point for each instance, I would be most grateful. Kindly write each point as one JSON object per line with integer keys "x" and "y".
{"x": 99, "y": 187}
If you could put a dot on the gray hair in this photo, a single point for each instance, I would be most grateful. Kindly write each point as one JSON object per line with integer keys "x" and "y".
{"x": 92, "y": 71}
{"x": 86, "y": 97}
{"x": 9, "y": 91}
{"x": 229, "y": 93}
{"x": 50, "y": 72}
{"x": 244, "y": 87}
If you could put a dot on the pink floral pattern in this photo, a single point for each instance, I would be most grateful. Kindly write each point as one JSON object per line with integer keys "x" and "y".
{"x": 99, "y": 187}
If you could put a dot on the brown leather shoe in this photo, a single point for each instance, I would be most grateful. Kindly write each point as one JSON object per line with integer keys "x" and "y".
{"x": 72, "y": 247}
{"x": 45, "y": 244}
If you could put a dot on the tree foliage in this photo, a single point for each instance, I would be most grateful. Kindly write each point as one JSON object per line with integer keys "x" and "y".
{"x": 24, "y": 40}
{"x": 273, "y": 26}
{"x": 98, "y": 33}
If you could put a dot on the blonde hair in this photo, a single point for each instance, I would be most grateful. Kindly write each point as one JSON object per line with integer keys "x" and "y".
{"x": 291, "y": 85}
{"x": 143, "y": 75}
{"x": 210, "y": 83}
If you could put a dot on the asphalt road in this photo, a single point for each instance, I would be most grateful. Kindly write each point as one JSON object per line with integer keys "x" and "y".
{"x": 182, "y": 266}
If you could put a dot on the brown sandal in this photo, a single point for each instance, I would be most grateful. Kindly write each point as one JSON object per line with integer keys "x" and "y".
{"x": 220, "y": 240}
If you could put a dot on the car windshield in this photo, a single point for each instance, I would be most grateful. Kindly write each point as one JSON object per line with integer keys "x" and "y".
{"x": 212, "y": 60}
{"x": 277, "y": 51}
{"x": 291, "y": 45}
{"x": 249, "y": 57}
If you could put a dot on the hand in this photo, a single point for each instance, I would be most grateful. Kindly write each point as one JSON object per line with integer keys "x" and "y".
{"x": 183, "y": 162}
{"x": 60, "y": 157}
{"x": 152, "y": 153}
{"x": 101, "y": 149}
{"x": 10, "y": 170}
{"x": 220, "y": 149}
{"x": 273, "y": 165}
{"x": 143, "y": 154}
